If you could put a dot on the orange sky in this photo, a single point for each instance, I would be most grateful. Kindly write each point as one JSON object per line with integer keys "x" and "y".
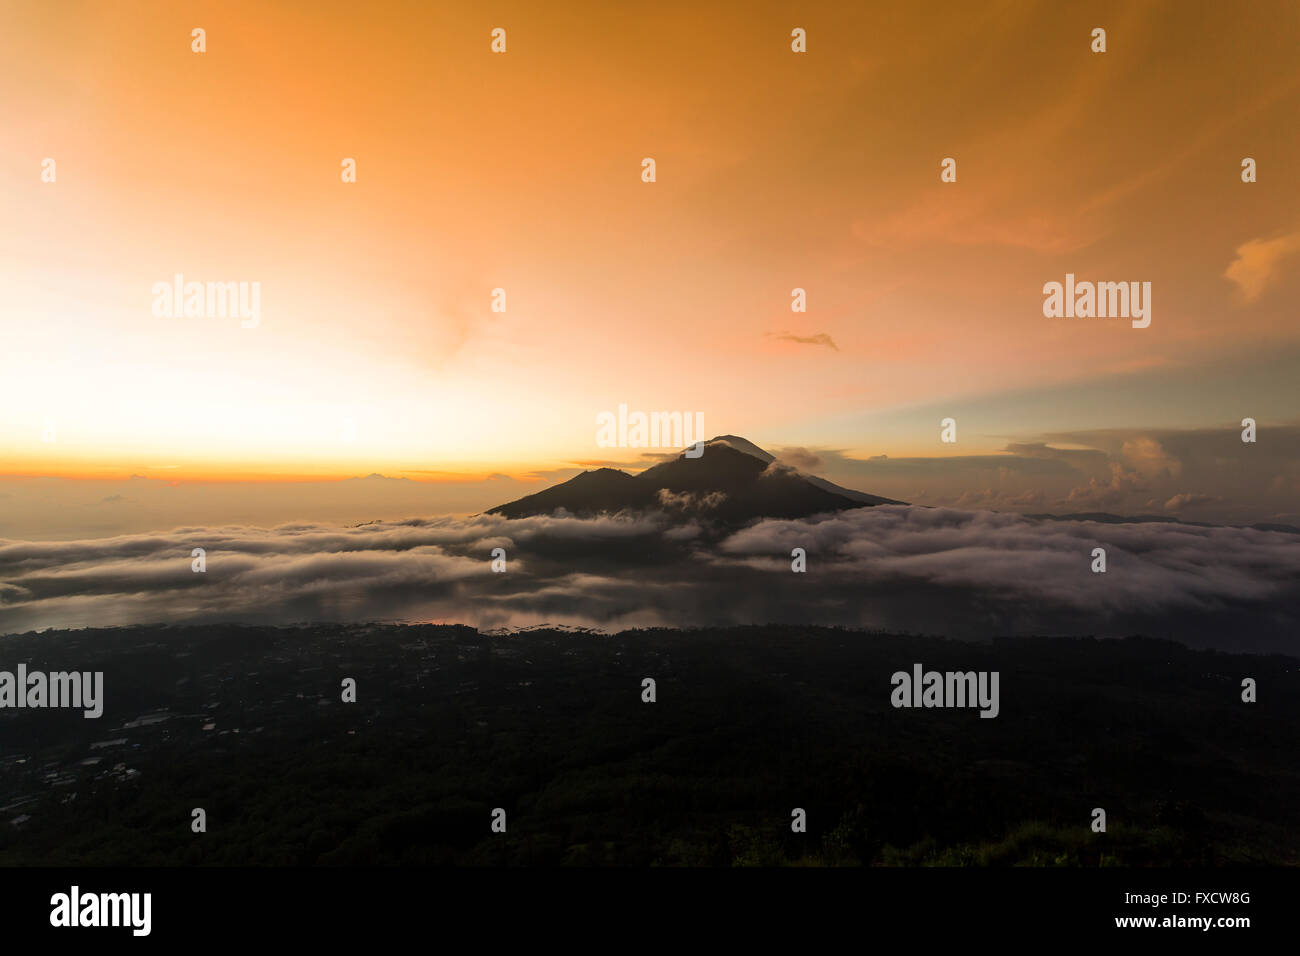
{"x": 377, "y": 350}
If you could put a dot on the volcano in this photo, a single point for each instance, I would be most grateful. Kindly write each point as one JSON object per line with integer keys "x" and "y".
{"x": 732, "y": 482}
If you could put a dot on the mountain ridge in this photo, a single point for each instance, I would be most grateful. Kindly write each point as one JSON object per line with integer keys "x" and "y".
{"x": 731, "y": 481}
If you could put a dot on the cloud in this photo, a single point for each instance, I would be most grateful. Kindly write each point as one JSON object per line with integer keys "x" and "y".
{"x": 821, "y": 338}
{"x": 930, "y": 570}
{"x": 1256, "y": 265}
{"x": 1034, "y": 575}
{"x": 1185, "y": 500}
{"x": 970, "y": 499}
{"x": 1148, "y": 457}
{"x": 1141, "y": 460}
{"x": 690, "y": 500}
{"x": 800, "y": 458}
{"x": 1077, "y": 457}
{"x": 1107, "y": 493}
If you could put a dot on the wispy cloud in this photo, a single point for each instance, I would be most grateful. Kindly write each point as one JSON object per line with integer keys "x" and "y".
{"x": 821, "y": 338}
{"x": 1257, "y": 264}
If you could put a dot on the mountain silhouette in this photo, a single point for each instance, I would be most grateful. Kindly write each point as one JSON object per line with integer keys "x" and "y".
{"x": 733, "y": 481}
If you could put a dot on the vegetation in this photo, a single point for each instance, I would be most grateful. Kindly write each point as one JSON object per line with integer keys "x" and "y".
{"x": 748, "y": 724}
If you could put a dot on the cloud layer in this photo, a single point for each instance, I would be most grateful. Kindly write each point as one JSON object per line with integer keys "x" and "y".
{"x": 921, "y": 570}
{"x": 1198, "y": 474}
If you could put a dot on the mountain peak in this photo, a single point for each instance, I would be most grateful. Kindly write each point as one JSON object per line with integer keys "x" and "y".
{"x": 742, "y": 445}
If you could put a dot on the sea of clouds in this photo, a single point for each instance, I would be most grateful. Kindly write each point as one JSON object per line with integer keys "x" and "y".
{"x": 898, "y": 568}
